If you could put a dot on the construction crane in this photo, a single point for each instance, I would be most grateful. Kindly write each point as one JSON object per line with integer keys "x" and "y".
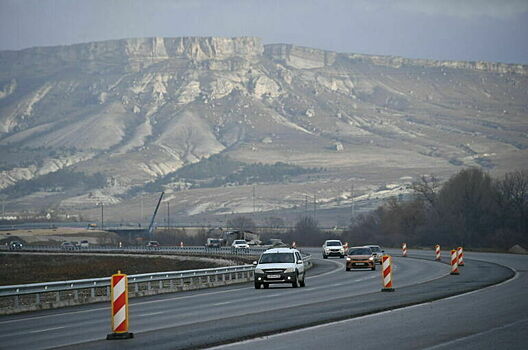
{"x": 151, "y": 226}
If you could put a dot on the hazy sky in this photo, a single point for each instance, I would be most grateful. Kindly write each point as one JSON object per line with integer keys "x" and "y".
{"x": 490, "y": 30}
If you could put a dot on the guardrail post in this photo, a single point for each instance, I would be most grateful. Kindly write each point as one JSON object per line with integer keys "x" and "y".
{"x": 37, "y": 299}
{"x": 92, "y": 292}
{"x": 17, "y": 301}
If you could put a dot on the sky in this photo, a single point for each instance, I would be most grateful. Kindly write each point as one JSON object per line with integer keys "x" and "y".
{"x": 469, "y": 30}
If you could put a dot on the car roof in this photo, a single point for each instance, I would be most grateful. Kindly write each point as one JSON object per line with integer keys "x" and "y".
{"x": 280, "y": 250}
{"x": 372, "y": 245}
{"x": 363, "y": 246}
{"x": 333, "y": 240}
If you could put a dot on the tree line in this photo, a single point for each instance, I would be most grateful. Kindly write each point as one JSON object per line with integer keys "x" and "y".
{"x": 471, "y": 209}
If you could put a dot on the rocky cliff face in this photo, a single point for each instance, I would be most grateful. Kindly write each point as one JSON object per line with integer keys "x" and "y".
{"x": 138, "y": 109}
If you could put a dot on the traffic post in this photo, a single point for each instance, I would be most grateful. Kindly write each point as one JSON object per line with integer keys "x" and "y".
{"x": 460, "y": 256}
{"x": 437, "y": 253}
{"x": 345, "y": 247}
{"x": 404, "y": 249}
{"x": 454, "y": 262}
{"x": 119, "y": 299}
{"x": 181, "y": 244}
{"x": 294, "y": 245}
{"x": 386, "y": 273}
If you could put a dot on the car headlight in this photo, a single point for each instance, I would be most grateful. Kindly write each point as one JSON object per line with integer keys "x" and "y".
{"x": 259, "y": 271}
{"x": 290, "y": 269}
{"x": 348, "y": 259}
{"x": 371, "y": 258}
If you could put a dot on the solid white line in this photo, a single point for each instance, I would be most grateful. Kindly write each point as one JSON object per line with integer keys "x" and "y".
{"x": 47, "y": 329}
{"x": 491, "y": 330}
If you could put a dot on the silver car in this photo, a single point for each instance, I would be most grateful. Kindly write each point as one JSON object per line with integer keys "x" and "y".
{"x": 377, "y": 252}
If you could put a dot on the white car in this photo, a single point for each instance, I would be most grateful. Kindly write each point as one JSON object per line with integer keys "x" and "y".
{"x": 280, "y": 265}
{"x": 240, "y": 244}
{"x": 333, "y": 247}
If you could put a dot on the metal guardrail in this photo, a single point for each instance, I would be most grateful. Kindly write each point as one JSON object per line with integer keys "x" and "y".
{"x": 143, "y": 249}
{"x": 35, "y": 296}
{"x": 48, "y": 287}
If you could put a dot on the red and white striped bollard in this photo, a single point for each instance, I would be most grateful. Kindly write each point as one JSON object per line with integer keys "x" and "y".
{"x": 454, "y": 262}
{"x": 404, "y": 249}
{"x": 386, "y": 273}
{"x": 437, "y": 253}
{"x": 119, "y": 299}
{"x": 460, "y": 256}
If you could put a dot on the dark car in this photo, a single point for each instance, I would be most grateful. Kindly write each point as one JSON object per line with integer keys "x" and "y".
{"x": 15, "y": 245}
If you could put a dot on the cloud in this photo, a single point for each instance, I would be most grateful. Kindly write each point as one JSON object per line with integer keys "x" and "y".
{"x": 502, "y": 9}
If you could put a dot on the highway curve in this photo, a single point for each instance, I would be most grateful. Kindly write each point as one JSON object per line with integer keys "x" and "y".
{"x": 222, "y": 315}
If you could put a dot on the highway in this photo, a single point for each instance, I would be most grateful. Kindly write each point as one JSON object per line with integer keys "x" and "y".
{"x": 223, "y": 315}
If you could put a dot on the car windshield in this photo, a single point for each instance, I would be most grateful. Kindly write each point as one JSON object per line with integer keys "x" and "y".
{"x": 375, "y": 249}
{"x": 333, "y": 243}
{"x": 360, "y": 251}
{"x": 271, "y": 258}
{"x": 240, "y": 242}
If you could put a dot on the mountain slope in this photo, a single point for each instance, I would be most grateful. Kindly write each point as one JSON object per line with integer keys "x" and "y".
{"x": 138, "y": 109}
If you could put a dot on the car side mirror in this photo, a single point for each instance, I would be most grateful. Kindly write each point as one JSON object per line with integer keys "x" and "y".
{"x": 254, "y": 263}
{"x": 383, "y": 251}
{"x": 299, "y": 262}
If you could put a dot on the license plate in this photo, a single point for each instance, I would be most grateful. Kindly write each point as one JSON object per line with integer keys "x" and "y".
{"x": 362, "y": 264}
{"x": 273, "y": 276}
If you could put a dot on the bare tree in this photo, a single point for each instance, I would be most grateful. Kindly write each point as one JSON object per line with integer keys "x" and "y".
{"x": 241, "y": 223}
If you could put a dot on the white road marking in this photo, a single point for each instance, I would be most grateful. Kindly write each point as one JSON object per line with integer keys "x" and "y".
{"x": 150, "y": 314}
{"x": 47, "y": 329}
{"x": 224, "y": 303}
{"x": 491, "y": 330}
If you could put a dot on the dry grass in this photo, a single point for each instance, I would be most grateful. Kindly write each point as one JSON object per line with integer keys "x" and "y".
{"x": 34, "y": 268}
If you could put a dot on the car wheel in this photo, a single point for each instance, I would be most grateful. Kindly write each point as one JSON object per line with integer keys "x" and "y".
{"x": 325, "y": 257}
{"x": 257, "y": 285}
{"x": 347, "y": 268}
{"x": 302, "y": 283}
{"x": 373, "y": 268}
{"x": 266, "y": 285}
{"x": 295, "y": 282}
{"x": 342, "y": 256}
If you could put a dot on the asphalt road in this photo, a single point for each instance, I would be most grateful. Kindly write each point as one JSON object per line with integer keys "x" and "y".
{"x": 491, "y": 318}
{"x": 222, "y": 315}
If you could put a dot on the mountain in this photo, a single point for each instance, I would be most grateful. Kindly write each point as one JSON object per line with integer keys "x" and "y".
{"x": 137, "y": 111}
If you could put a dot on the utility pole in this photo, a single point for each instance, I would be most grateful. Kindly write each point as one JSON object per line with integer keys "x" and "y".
{"x": 254, "y": 208}
{"x": 168, "y": 215}
{"x": 352, "y": 197}
{"x": 315, "y": 207}
{"x": 102, "y": 216}
{"x": 141, "y": 218}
